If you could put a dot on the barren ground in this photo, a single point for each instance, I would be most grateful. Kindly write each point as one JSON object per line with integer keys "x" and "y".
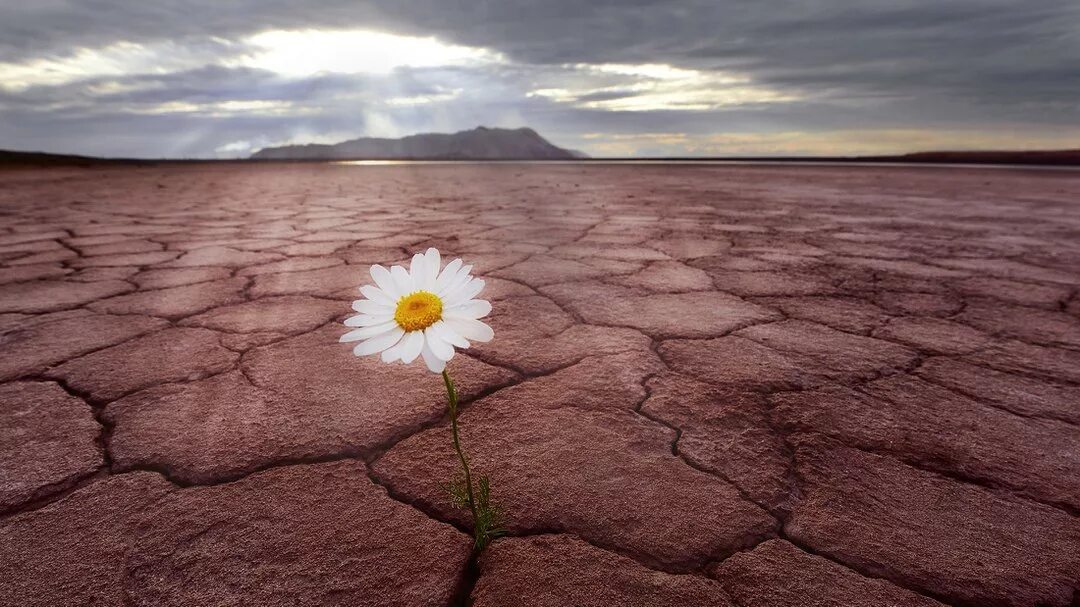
{"x": 740, "y": 386}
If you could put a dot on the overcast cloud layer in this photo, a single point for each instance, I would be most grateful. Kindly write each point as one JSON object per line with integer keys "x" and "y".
{"x": 208, "y": 78}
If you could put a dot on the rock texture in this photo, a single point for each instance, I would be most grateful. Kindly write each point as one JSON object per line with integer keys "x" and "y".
{"x": 561, "y": 570}
{"x": 175, "y": 302}
{"x": 581, "y": 472}
{"x": 72, "y": 552}
{"x": 725, "y": 432}
{"x": 48, "y": 441}
{"x": 271, "y": 411}
{"x": 778, "y": 574}
{"x": 939, "y": 430}
{"x": 711, "y": 385}
{"x": 30, "y": 347}
{"x": 661, "y": 314}
{"x": 961, "y": 542}
{"x": 314, "y": 535}
{"x": 53, "y": 295}
{"x": 270, "y": 314}
{"x": 170, "y": 355}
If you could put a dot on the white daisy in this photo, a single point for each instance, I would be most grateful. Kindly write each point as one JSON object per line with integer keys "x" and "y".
{"x": 419, "y": 312}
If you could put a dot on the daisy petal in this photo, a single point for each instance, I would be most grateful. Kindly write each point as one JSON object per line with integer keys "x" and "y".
{"x": 449, "y": 335}
{"x": 470, "y": 329}
{"x": 392, "y": 353}
{"x": 464, "y": 293}
{"x": 379, "y": 342}
{"x": 418, "y": 271}
{"x": 351, "y": 336}
{"x": 376, "y": 294}
{"x": 411, "y": 346}
{"x": 448, "y": 273}
{"x": 434, "y": 262}
{"x": 402, "y": 281}
{"x": 366, "y": 332}
{"x": 370, "y": 306}
{"x": 368, "y": 320}
{"x": 457, "y": 281}
{"x": 382, "y": 278}
{"x": 439, "y": 347}
{"x": 472, "y": 309}
{"x": 434, "y": 363}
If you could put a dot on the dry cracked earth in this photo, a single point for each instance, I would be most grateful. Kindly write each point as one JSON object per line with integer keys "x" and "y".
{"x": 736, "y": 386}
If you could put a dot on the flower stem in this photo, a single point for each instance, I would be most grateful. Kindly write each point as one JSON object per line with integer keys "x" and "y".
{"x": 451, "y": 395}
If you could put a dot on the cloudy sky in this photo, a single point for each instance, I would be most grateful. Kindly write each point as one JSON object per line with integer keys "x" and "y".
{"x": 223, "y": 78}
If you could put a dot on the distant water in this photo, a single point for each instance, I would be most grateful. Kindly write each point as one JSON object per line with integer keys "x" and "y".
{"x": 718, "y": 162}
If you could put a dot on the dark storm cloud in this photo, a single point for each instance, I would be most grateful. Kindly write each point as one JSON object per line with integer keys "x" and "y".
{"x": 847, "y": 64}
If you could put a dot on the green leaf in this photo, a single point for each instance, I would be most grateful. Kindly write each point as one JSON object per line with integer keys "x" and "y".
{"x": 489, "y": 517}
{"x": 459, "y": 494}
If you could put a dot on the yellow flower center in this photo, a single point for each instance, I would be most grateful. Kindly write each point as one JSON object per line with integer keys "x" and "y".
{"x": 418, "y": 311}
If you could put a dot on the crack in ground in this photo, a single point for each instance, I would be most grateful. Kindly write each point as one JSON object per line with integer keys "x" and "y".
{"x": 984, "y": 483}
{"x": 884, "y": 575}
{"x": 796, "y": 482}
{"x": 43, "y": 500}
{"x": 987, "y": 403}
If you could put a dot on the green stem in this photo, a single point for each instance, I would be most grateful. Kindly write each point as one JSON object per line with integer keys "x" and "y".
{"x": 451, "y": 395}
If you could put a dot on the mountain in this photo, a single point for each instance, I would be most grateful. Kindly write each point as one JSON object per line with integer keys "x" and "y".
{"x": 32, "y": 159}
{"x": 481, "y": 143}
{"x": 1069, "y": 158}
{"x": 1040, "y": 157}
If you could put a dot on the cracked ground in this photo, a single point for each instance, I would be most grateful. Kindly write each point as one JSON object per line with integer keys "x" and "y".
{"x": 737, "y": 386}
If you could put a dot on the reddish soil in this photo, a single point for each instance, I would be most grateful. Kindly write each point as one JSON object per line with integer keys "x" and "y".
{"x": 734, "y": 386}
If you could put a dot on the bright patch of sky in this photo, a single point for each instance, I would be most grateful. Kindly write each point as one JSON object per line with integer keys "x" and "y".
{"x": 651, "y": 87}
{"x": 289, "y": 53}
{"x": 310, "y": 52}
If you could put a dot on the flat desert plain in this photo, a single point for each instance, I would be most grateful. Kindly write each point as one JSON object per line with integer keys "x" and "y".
{"x": 709, "y": 385}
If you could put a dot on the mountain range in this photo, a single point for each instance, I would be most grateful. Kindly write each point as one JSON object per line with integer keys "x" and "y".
{"x": 481, "y": 143}
{"x": 529, "y": 145}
